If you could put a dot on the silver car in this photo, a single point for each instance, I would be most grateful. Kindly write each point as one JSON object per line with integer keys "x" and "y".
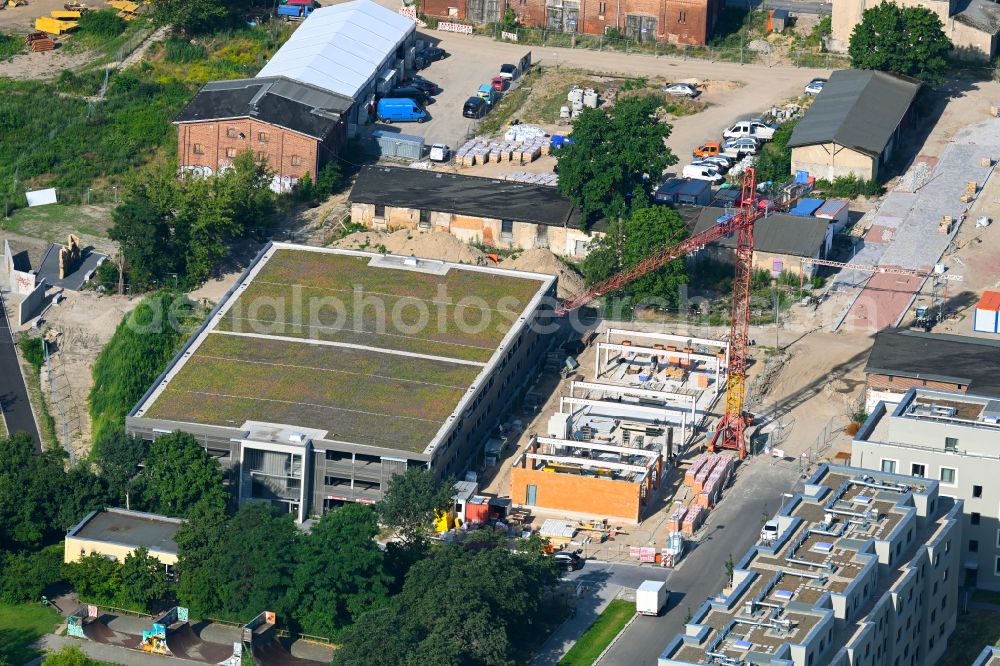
{"x": 682, "y": 90}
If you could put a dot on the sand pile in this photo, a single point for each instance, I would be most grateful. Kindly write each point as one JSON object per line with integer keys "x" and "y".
{"x": 543, "y": 261}
{"x": 435, "y": 245}
{"x": 443, "y": 246}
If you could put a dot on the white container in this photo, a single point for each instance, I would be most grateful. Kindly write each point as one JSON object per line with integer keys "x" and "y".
{"x": 575, "y": 95}
{"x": 651, "y": 597}
{"x": 590, "y": 98}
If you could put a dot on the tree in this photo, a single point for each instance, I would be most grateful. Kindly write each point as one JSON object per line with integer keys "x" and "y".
{"x": 629, "y": 241}
{"x": 774, "y": 163}
{"x": 615, "y": 156}
{"x": 908, "y": 41}
{"x": 71, "y": 655}
{"x": 97, "y": 579}
{"x": 119, "y": 456}
{"x": 26, "y": 576}
{"x": 329, "y": 180}
{"x": 144, "y": 579}
{"x": 197, "y": 545}
{"x": 340, "y": 571}
{"x": 191, "y": 16}
{"x": 179, "y": 475}
{"x": 411, "y": 501}
{"x": 142, "y": 227}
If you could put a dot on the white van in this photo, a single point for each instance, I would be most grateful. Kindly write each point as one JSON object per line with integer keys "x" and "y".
{"x": 755, "y": 128}
{"x": 702, "y": 172}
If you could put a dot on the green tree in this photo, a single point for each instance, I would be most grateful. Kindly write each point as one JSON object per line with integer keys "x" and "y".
{"x": 143, "y": 579}
{"x": 33, "y": 351}
{"x": 615, "y": 158}
{"x": 774, "y": 163}
{"x": 142, "y": 227}
{"x": 629, "y": 241}
{"x": 329, "y": 180}
{"x": 26, "y": 576}
{"x": 71, "y": 655}
{"x": 32, "y": 489}
{"x": 197, "y": 545}
{"x": 191, "y": 16}
{"x": 340, "y": 572}
{"x": 179, "y": 475}
{"x": 908, "y": 41}
{"x": 119, "y": 456}
{"x": 509, "y": 22}
{"x": 411, "y": 501}
{"x": 102, "y": 22}
{"x": 97, "y": 579}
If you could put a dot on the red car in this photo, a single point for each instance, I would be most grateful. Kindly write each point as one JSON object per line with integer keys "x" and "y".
{"x": 500, "y": 83}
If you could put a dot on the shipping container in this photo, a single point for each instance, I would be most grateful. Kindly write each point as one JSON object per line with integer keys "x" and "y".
{"x": 400, "y": 146}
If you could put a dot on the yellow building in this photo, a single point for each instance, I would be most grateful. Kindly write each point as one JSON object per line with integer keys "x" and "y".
{"x": 117, "y": 532}
{"x": 854, "y": 125}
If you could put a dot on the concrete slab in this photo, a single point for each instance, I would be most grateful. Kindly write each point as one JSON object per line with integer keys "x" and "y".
{"x": 49, "y": 268}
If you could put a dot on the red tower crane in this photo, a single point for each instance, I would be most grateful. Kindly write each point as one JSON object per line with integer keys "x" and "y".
{"x": 730, "y": 434}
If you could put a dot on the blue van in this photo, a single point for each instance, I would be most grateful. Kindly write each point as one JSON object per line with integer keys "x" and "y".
{"x": 400, "y": 110}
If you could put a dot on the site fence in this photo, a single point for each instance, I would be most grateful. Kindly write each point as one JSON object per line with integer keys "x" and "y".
{"x": 797, "y": 57}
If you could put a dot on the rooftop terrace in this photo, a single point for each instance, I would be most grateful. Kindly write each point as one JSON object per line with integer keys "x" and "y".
{"x": 365, "y": 347}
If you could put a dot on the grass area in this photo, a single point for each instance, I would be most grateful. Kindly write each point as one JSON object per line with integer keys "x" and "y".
{"x": 10, "y": 46}
{"x": 600, "y": 634}
{"x": 20, "y": 627}
{"x": 975, "y": 630}
{"x": 53, "y": 222}
{"x": 986, "y": 597}
{"x": 40, "y": 405}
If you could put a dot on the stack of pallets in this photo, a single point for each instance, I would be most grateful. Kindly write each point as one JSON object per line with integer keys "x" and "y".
{"x": 39, "y": 41}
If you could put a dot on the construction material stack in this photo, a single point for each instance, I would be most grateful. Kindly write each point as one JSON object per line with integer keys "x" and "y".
{"x": 39, "y": 41}
{"x": 126, "y": 9}
{"x": 712, "y": 488}
{"x": 693, "y": 519}
{"x": 676, "y": 519}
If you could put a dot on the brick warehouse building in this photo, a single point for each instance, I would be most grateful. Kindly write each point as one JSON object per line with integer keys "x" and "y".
{"x": 295, "y": 127}
{"x": 675, "y": 21}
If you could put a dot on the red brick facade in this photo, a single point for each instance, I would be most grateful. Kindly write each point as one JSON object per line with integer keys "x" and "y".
{"x": 675, "y": 21}
{"x": 214, "y": 144}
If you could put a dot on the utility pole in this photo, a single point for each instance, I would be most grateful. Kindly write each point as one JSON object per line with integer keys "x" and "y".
{"x": 774, "y": 291}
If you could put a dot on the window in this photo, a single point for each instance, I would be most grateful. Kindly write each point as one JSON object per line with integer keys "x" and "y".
{"x": 682, "y": 17}
{"x": 973, "y": 546}
{"x": 996, "y": 567}
{"x": 916, "y": 469}
{"x": 261, "y": 156}
{"x": 888, "y": 466}
{"x": 230, "y": 152}
{"x": 262, "y": 137}
{"x": 425, "y": 219}
{"x": 977, "y": 491}
{"x": 974, "y": 518}
{"x": 296, "y": 160}
{"x": 231, "y": 132}
{"x": 199, "y": 149}
{"x": 379, "y": 210}
{"x": 506, "y": 229}
{"x": 951, "y": 444}
{"x": 603, "y": 8}
{"x": 948, "y": 476}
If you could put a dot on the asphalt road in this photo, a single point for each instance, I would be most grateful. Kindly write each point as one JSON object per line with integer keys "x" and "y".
{"x": 13, "y": 393}
{"x": 732, "y": 528}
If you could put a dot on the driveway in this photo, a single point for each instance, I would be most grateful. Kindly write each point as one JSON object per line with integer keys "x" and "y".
{"x": 14, "y": 405}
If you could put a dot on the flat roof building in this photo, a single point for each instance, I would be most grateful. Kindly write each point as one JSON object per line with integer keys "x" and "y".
{"x": 474, "y": 209}
{"x": 901, "y": 359}
{"x": 322, "y": 373}
{"x": 863, "y": 570}
{"x": 990, "y": 656}
{"x": 953, "y": 438}
{"x": 854, "y": 125}
{"x": 117, "y": 532}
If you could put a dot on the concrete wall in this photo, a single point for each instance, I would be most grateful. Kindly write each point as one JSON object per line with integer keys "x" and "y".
{"x": 618, "y": 500}
{"x": 564, "y": 241}
{"x": 879, "y": 387}
{"x": 20, "y": 282}
{"x": 828, "y": 161}
{"x": 31, "y": 305}
{"x": 77, "y": 548}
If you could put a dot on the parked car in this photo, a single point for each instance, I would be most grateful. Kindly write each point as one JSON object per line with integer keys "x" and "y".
{"x": 428, "y": 55}
{"x": 682, "y": 90}
{"x": 739, "y": 147}
{"x": 712, "y": 163}
{"x": 568, "y": 561}
{"x": 500, "y": 84}
{"x": 702, "y": 172}
{"x": 418, "y": 81}
{"x": 411, "y": 92}
{"x": 488, "y": 93}
{"x": 509, "y": 71}
{"x": 475, "y": 107}
{"x": 708, "y": 149}
{"x": 390, "y": 109}
{"x": 440, "y": 152}
{"x": 814, "y": 87}
{"x": 754, "y": 128}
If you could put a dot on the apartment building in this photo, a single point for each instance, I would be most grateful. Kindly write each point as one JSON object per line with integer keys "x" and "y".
{"x": 953, "y": 438}
{"x": 863, "y": 571}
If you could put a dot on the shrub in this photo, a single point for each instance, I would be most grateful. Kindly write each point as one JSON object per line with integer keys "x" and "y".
{"x": 849, "y": 187}
{"x": 33, "y": 350}
{"x": 181, "y": 51}
{"x": 26, "y": 576}
{"x": 102, "y": 23}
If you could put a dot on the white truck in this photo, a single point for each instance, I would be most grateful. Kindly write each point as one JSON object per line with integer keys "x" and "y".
{"x": 755, "y": 128}
{"x": 651, "y": 597}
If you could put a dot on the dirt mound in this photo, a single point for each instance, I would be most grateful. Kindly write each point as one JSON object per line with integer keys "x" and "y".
{"x": 543, "y": 261}
{"x": 438, "y": 245}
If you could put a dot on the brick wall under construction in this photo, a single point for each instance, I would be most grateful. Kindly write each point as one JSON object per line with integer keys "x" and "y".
{"x": 572, "y": 493}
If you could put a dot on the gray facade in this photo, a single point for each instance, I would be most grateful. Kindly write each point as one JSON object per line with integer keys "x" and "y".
{"x": 953, "y": 438}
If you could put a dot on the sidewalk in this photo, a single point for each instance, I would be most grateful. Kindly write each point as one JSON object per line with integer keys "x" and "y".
{"x": 588, "y": 608}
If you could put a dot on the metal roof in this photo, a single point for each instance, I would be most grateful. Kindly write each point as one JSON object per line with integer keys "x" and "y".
{"x": 777, "y": 233}
{"x": 341, "y": 48}
{"x": 807, "y": 207}
{"x": 939, "y": 357}
{"x": 857, "y": 109}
